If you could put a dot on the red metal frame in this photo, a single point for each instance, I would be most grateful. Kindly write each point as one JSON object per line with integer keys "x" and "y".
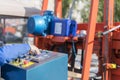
{"x": 45, "y": 5}
{"x": 108, "y": 22}
{"x": 58, "y": 8}
{"x": 90, "y": 39}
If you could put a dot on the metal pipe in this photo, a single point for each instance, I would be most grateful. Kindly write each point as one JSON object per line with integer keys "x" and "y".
{"x": 106, "y": 32}
{"x": 70, "y": 11}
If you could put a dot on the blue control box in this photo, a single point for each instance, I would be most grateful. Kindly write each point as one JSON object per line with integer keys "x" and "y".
{"x": 63, "y": 27}
{"x": 47, "y": 66}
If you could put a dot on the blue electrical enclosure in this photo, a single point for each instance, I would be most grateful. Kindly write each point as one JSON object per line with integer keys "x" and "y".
{"x": 63, "y": 27}
{"x": 60, "y": 27}
{"x": 53, "y": 66}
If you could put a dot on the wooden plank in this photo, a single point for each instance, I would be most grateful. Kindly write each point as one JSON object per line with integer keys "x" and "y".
{"x": 73, "y": 74}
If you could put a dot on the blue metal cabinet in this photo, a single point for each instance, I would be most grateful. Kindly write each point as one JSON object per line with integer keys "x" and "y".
{"x": 52, "y": 68}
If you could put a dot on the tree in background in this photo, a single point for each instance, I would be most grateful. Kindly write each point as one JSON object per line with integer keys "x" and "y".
{"x": 65, "y": 7}
{"x": 75, "y": 13}
{"x": 85, "y": 11}
{"x": 117, "y": 11}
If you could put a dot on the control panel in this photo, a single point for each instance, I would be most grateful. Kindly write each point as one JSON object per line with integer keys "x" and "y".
{"x": 48, "y": 65}
{"x": 28, "y": 60}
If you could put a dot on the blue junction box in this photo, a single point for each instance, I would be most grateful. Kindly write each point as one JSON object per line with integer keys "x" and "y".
{"x": 53, "y": 66}
{"x": 63, "y": 27}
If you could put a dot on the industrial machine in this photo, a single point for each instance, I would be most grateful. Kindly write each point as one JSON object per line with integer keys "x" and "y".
{"x": 48, "y": 24}
{"x": 102, "y": 39}
{"x": 48, "y": 65}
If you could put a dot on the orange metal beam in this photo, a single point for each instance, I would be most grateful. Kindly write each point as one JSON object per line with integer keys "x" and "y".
{"x": 108, "y": 12}
{"x": 44, "y": 5}
{"x": 58, "y": 8}
{"x": 90, "y": 39}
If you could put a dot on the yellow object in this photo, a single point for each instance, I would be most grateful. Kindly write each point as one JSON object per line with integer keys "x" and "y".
{"x": 113, "y": 66}
{"x": 27, "y": 65}
{"x": 21, "y": 64}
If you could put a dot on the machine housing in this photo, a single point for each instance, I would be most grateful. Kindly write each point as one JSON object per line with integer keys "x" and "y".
{"x": 47, "y": 66}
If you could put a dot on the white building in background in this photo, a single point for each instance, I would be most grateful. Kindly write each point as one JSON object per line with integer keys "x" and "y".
{"x": 37, "y": 3}
{"x": 31, "y": 3}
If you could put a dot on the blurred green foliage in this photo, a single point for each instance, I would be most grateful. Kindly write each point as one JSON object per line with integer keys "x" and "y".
{"x": 86, "y": 10}
{"x": 117, "y": 11}
{"x": 65, "y": 7}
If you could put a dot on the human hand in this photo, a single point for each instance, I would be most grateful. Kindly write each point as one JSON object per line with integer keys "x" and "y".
{"x": 34, "y": 49}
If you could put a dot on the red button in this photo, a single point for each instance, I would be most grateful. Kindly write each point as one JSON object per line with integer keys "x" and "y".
{"x": 26, "y": 62}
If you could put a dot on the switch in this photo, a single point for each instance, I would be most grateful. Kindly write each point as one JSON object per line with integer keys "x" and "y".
{"x": 26, "y": 62}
